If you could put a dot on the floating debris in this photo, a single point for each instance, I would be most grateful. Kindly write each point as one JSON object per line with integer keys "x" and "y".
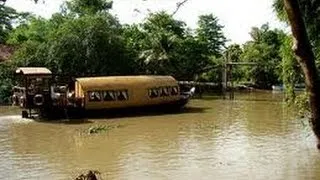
{"x": 91, "y": 175}
{"x": 102, "y": 128}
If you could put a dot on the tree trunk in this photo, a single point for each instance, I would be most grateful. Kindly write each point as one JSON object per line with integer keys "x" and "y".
{"x": 303, "y": 51}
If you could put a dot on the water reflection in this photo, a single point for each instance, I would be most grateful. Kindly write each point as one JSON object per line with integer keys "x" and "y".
{"x": 227, "y": 139}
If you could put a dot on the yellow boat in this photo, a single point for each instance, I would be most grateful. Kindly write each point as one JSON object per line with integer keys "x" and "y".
{"x": 38, "y": 92}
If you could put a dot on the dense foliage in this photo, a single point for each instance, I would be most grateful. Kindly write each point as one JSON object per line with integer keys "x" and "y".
{"x": 8, "y": 16}
{"x": 311, "y": 15}
{"x": 260, "y": 57}
{"x": 163, "y": 45}
{"x": 6, "y": 81}
{"x": 264, "y": 51}
{"x": 84, "y": 39}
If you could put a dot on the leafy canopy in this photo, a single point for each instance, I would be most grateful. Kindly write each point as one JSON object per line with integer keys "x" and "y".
{"x": 9, "y": 17}
{"x": 263, "y": 50}
{"x": 209, "y": 32}
{"x": 85, "y": 7}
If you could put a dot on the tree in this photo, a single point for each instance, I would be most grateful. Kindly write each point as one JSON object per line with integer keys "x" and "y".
{"x": 8, "y": 16}
{"x": 84, "y": 39}
{"x": 311, "y": 15}
{"x": 6, "y": 77}
{"x": 164, "y": 46}
{"x": 90, "y": 44}
{"x": 234, "y": 53}
{"x": 85, "y": 7}
{"x": 306, "y": 59}
{"x": 190, "y": 59}
{"x": 209, "y": 32}
{"x": 264, "y": 50}
{"x": 37, "y": 30}
{"x": 163, "y": 34}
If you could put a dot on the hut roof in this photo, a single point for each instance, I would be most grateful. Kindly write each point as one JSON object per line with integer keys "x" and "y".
{"x": 100, "y": 83}
{"x": 33, "y": 71}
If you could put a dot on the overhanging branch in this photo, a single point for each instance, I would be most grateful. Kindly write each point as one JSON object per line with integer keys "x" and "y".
{"x": 3, "y": 2}
{"x": 179, "y": 4}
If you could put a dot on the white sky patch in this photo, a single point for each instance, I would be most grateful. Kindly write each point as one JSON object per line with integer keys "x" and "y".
{"x": 44, "y": 9}
{"x": 237, "y": 16}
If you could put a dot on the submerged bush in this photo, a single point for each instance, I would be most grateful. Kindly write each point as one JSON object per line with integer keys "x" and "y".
{"x": 102, "y": 128}
{"x": 91, "y": 175}
{"x": 301, "y": 102}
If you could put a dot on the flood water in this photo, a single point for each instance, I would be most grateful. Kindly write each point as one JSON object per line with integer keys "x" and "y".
{"x": 254, "y": 136}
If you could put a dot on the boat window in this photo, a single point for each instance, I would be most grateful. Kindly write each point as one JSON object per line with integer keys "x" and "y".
{"x": 174, "y": 91}
{"x": 164, "y": 91}
{"x": 94, "y": 96}
{"x": 153, "y": 93}
{"x": 149, "y": 92}
{"x": 122, "y": 95}
{"x": 109, "y": 96}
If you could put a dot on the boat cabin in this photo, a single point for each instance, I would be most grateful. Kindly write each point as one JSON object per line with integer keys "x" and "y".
{"x": 126, "y": 91}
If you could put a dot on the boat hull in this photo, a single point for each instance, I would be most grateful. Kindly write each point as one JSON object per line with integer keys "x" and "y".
{"x": 74, "y": 113}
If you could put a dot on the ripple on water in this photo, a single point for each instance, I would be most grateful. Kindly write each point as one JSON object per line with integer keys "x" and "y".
{"x": 14, "y": 119}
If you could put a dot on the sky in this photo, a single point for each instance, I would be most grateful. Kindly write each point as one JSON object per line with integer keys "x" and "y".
{"x": 237, "y": 16}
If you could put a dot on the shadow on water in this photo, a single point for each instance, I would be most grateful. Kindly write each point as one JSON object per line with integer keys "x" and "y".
{"x": 209, "y": 98}
{"x": 257, "y": 96}
{"x": 65, "y": 121}
{"x": 125, "y": 113}
{"x": 226, "y": 98}
{"x": 121, "y": 113}
{"x": 257, "y": 100}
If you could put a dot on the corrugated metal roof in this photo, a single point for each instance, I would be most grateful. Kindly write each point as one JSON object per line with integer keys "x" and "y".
{"x": 100, "y": 83}
{"x": 33, "y": 70}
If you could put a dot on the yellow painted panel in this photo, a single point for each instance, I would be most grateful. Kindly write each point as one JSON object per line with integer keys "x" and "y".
{"x": 137, "y": 87}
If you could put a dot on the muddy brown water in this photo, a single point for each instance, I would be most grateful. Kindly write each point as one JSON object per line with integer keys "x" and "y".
{"x": 254, "y": 136}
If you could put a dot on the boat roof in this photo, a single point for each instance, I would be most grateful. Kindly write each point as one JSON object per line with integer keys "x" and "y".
{"x": 99, "y": 83}
{"x": 33, "y": 71}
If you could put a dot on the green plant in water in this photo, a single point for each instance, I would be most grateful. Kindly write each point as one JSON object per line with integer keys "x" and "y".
{"x": 301, "y": 102}
{"x": 91, "y": 175}
{"x": 292, "y": 75}
{"x": 102, "y": 128}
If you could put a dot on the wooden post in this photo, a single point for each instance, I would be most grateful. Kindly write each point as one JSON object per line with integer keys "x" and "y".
{"x": 231, "y": 83}
{"x": 225, "y": 75}
{"x": 224, "y": 78}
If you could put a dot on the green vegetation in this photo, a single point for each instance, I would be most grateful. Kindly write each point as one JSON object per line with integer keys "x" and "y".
{"x": 263, "y": 50}
{"x": 90, "y": 175}
{"x": 292, "y": 73}
{"x": 84, "y": 39}
{"x": 9, "y": 16}
{"x": 6, "y": 78}
{"x": 102, "y": 128}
